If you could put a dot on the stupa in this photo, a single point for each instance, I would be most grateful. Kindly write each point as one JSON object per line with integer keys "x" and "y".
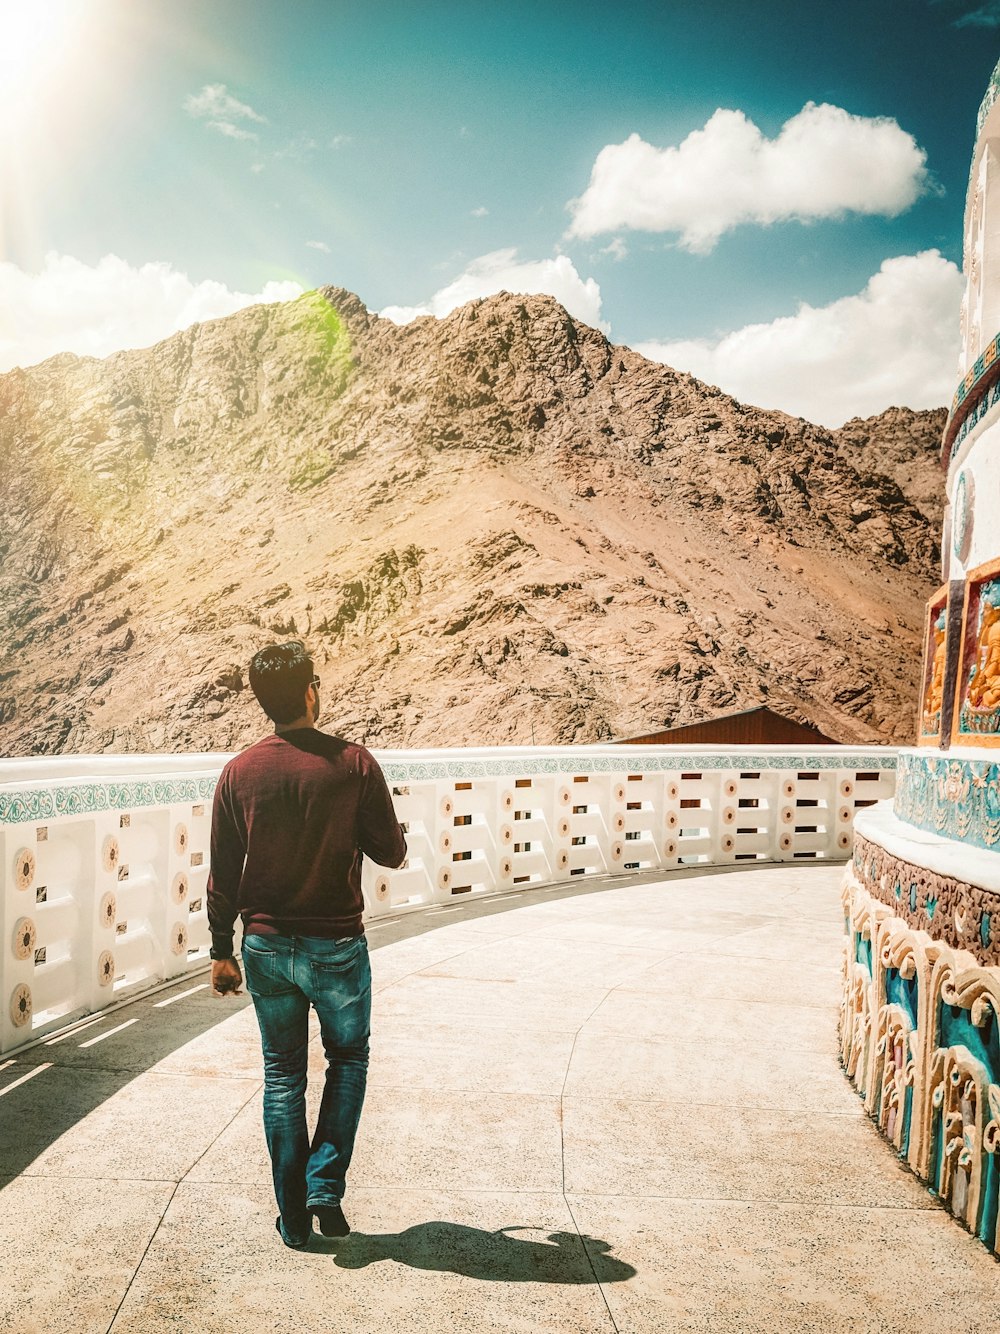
{"x": 920, "y": 1018}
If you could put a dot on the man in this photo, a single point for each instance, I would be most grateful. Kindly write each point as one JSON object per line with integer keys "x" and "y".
{"x": 292, "y": 817}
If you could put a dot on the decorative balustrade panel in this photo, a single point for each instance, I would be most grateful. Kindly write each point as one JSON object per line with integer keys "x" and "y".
{"x": 105, "y": 859}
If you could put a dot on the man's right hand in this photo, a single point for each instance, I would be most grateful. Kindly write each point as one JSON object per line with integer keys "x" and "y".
{"x": 226, "y": 977}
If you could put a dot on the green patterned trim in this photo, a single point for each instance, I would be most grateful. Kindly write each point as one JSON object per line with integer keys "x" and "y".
{"x": 972, "y": 400}
{"x": 23, "y": 805}
{"x": 628, "y": 762}
{"x": 956, "y": 798}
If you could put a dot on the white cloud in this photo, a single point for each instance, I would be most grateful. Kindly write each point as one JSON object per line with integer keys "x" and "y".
{"x": 987, "y": 16}
{"x": 896, "y": 343}
{"x": 480, "y": 212}
{"x": 215, "y": 101}
{"x": 319, "y": 245}
{"x": 823, "y": 163}
{"x": 222, "y": 112}
{"x": 97, "y": 309}
{"x": 502, "y": 271}
{"x": 231, "y": 131}
{"x": 341, "y": 141}
{"x": 617, "y": 249}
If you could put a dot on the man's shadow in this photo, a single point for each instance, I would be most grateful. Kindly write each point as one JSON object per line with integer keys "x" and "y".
{"x": 564, "y": 1257}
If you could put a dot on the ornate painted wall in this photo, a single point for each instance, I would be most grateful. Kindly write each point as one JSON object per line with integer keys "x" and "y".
{"x": 920, "y": 1027}
{"x": 954, "y": 911}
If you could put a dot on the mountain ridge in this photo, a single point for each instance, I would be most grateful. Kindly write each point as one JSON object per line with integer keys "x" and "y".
{"x": 495, "y": 527}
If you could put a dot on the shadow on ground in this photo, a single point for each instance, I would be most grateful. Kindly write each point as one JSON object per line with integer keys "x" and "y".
{"x": 53, "y": 1084}
{"x": 498, "y": 1257}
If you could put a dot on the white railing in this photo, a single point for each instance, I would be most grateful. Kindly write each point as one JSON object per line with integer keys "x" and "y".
{"x": 105, "y": 858}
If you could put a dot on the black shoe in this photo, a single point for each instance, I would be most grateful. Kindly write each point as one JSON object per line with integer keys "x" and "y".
{"x": 331, "y": 1220}
{"x": 293, "y": 1245}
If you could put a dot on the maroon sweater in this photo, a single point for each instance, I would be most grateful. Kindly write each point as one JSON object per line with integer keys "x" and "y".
{"x": 292, "y": 817}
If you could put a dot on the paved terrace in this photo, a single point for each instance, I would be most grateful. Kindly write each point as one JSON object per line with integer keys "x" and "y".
{"x": 613, "y": 1107}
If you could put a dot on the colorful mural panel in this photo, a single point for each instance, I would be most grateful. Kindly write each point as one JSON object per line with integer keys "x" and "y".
{"x": 977, "y": 699}
{"x": 932, "y": 695}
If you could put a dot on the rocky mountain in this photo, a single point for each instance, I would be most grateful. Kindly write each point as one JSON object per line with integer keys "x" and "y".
{"x": 492, "y": 528}
{"x": 886, "y": 444}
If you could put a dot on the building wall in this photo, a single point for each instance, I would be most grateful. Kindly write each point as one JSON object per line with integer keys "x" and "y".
{"x": 758, "y": 727}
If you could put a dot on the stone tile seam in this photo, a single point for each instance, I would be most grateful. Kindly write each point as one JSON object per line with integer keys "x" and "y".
{"x": 215, "y": 1138}
{"x": 830, "y": 1007}
{"x": 717, "y": 1048}
{"x": 932, "y": 1207}
{"x": 762, "y": 1043}
{"x": 558, "y": 938}
{"x": 768, "y": 1201}
{"x": 593, "y": 1270}
{"x": 188, "y": 1182}
{"x": 429, "y": 1030}
{"x": 803, "y": 1109}
{"x": 735, "y": 1000}
{"x": 565, "y": 1080}
{"x": 77, "y": 1176}
{"x": 562, "y": 1132}
{"x": 861, "y": 1118}
{"x": 526, "y": 1095}
{"x": 464, "y": 1091}
{"x": 702, "y": 1045}
{"x": 142, "y": 1257}
{"x": 373, "y": 1188}
{"x": 562, "y": 1157}
{"x": 480, "y": 1024}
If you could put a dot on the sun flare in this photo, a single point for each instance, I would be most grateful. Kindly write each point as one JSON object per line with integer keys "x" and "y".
{"x": 36, "y": 37}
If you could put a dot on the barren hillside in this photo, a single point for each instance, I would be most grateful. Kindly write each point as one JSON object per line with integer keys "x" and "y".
{"x": 496, "y": 527}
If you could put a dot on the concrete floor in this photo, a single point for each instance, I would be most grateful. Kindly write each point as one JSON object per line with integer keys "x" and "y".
{"x": 609, "y": 1108}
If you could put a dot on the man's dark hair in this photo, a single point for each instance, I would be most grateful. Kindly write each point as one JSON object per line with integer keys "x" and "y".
{"x": 279, "y": 676}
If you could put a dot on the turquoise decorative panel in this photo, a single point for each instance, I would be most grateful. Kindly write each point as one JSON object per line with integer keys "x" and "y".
{"x": 956, "y": 1029}
{"x": 957, "y": 798}
{"x": 902, "y": 991}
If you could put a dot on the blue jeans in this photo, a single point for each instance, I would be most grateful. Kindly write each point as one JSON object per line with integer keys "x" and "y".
{"x": 284, "y": 975}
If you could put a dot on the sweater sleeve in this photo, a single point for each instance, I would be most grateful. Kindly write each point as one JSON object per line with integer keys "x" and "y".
{"x": 228, "y": 853}
{"x": 380, "y": 835}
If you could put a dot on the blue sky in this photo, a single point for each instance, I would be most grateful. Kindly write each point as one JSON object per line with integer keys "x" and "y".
{"x": 390, "y": 147}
